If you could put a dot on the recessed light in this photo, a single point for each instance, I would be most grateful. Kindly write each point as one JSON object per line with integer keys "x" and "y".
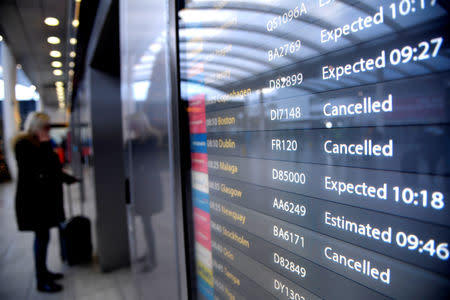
{"x": 50, "y": 21}
{"x": 56, "y": 64}
{"x": 72, "y": 54}
{"x": 55, "y": 53}
{"x": 71, "y": 72}
{"x": 57, "y": 72}
{"x": 73, "y": 41}
{"x": 75, "y": 23}
{"x": 59, "y": 83}
{"x": 1, "y": 38}
{"x": 53, "y": 40}
{"x": 19, "y": 66}
{"x": 72, "y": 64}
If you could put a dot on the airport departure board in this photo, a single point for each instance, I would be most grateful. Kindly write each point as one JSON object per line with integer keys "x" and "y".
{"x": 319, "y": 145}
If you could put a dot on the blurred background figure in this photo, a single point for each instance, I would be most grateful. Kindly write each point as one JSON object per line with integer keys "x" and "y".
{"x": 39, "y": 195}
{"x": 147, "y": 153}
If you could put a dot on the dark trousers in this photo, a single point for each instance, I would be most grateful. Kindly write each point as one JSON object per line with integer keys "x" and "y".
{"x": 41, "y": 240}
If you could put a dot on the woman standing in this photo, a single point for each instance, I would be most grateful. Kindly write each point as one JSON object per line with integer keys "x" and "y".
{"x": 39, "y": 196}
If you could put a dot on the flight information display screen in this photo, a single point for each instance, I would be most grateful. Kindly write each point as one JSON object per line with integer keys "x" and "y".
{"x": 319, "y": 145}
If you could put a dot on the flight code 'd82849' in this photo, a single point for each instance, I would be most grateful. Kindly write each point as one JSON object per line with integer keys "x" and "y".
{"x": 289, "y": 265}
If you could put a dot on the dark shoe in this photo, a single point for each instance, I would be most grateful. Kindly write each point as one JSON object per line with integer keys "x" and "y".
{"x": 54, "y": 276}
{"x": 49, "y": 287}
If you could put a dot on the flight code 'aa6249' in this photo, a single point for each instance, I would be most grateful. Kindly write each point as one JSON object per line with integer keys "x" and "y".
{"x": 284, "y": 50}
{"x": 288, "y": 236}
{"x": 289, "y": 265}
{"x": 289, "y": 176}
{"x": 289, "y": 207}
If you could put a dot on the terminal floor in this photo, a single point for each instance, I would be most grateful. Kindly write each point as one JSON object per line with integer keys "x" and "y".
{"x": 17, "y": 266}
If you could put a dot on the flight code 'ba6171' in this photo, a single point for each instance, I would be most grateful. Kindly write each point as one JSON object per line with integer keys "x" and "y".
{"x": 288, "y": 236}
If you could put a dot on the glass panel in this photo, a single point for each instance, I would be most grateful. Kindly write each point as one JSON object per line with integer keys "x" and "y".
{"x": 146, "y": 97}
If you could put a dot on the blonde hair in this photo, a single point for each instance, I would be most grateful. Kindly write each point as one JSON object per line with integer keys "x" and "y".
{"x": 36, "y": 121}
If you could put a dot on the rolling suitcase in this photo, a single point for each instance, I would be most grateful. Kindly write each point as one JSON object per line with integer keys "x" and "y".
{"x": 77, "y": 237}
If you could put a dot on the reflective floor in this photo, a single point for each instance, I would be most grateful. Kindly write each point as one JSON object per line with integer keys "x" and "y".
{"x": 17, "y": 269}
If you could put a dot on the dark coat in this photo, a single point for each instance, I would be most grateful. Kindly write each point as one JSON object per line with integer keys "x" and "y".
{"x": 39, "y": 196}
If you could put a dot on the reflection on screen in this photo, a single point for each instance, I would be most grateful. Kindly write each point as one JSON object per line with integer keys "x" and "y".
{"x": 319, "y": 134}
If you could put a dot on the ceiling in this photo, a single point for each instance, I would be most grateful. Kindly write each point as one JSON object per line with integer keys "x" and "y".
{"x": 23, "y": 29}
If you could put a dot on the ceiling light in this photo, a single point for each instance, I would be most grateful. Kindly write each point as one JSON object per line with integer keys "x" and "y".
{"x": 19, "y": 66}
{"x": 155, "y": 47}
{"x": 59, "y": 83}
{"x": 55, "y": 53}
{"x": 72, "y": 54}
{"x": 77, "y": 0}
{"x": 75, "y": 23}
{"x": 57, "y": 72}
{"x": 72, "y": 64}
{"x": 50, "y": 21}
{"x": 53, "y": 40}
{"x": 1, "y": 38}
{"x": 71, "y": 72}
{"x": 73, "y": 41}
{"x": 56, "y": 64}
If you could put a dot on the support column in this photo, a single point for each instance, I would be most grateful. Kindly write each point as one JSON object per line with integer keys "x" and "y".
{"x": 11, "y": 114}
